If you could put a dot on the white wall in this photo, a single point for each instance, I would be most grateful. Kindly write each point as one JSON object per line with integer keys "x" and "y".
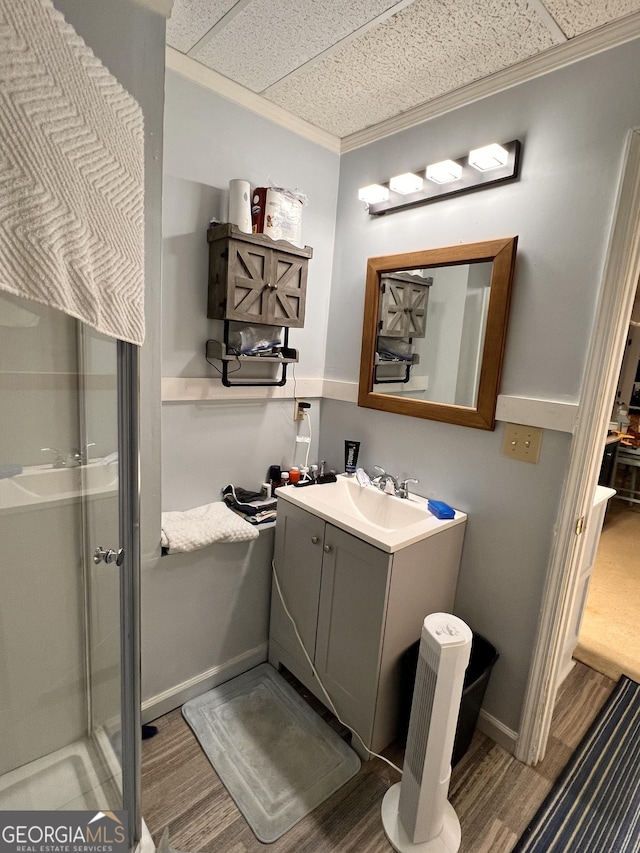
{"x": 203, "y": 613}
{"x": 572, "y": 125}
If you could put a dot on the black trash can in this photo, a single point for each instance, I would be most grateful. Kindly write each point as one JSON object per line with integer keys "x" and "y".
{"x": 481, "y": 662}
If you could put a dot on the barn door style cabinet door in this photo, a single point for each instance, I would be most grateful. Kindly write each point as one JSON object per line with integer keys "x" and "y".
{"x": 404, "y": 300}
{"x": 254, "y": 279}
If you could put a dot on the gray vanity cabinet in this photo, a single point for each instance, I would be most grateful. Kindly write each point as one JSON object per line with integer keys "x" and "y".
{"x": 358, "y": 609}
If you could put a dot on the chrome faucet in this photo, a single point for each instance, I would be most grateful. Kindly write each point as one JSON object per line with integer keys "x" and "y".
{"x": 81, "y": 457}
{"x": 387, "y": 483}
{"x": 59, "y": 461}
{"x": 404, "y": 487}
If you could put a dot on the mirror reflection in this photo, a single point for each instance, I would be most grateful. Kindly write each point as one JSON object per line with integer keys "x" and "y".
{"x": 434, "y": 332}
{"x": 432, "y": 329}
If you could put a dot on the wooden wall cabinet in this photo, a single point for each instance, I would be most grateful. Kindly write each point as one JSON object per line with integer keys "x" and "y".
{"x": 254, "y": 279}
{"x": 358, "y": 609}
{"x": 404, "y": 300}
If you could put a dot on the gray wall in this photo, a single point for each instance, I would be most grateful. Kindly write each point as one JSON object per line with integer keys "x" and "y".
{"x": 572, "y": 125}
{"x": 129, "y": 39}
{"x": 207, "y": 613}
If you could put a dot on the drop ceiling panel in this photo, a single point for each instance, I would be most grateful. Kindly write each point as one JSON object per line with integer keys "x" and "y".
{"x": 580, "y": 16}
{"x": 270, "y": 38}
{"x": 191, "y": 19}
{"x": 430, "y": 48}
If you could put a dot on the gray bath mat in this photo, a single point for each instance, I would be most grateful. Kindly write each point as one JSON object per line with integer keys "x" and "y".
{"x": 277, "y": 758}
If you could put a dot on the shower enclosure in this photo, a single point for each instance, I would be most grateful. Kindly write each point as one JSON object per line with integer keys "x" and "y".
{"x": 69, "y": 565}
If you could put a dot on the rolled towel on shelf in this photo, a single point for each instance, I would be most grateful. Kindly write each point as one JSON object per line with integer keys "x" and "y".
{"x": 203, "y": 525}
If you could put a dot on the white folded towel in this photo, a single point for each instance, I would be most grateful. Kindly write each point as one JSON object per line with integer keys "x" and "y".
{"x": 203, "y": 525}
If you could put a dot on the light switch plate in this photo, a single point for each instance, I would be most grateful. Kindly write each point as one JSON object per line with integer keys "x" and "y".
{"x": 522, "y": 442}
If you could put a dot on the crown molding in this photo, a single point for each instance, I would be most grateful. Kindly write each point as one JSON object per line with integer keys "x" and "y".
{"x": 162, "y": 7}
{"x": 226, "y": 88}
{"x": 581, "y": 47}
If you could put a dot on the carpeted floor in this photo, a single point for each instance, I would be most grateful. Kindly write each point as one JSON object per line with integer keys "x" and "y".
{"x": 610, "y": 633}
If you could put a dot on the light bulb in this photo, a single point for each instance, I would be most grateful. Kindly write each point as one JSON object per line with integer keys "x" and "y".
{"x": 406, "y": 183}
{"x": 373, "y": 194}
{"x": 444, "y": 172}
{"x": 489, "y": 157}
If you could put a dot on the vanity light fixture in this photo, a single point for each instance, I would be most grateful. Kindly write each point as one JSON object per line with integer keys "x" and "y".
{"x": 373, "y": 194}
{"x": 444, "y": 172}
{"x": 482, "y": 167}
{"x": 490, "y": 157}
{"x": 406, "y": 183}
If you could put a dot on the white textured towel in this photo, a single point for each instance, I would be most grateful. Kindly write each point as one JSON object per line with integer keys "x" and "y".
{"x": 72, "y": 175}
{"x": 204, "y": 525}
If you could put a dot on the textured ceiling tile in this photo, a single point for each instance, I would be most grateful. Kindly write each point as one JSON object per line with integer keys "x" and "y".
{"x": 270, "y": 38}
{"x": 579, "y": 16}
{"x": 191, "y": 19}
{"x": 426, "y": 50}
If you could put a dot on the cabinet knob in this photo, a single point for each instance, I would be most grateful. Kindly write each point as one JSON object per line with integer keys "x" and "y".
{"x": 315, "y": 540}
{"x": 327, "y": 549}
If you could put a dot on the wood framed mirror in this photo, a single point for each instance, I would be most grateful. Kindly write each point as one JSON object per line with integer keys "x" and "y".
{"x": 434, "y": 332}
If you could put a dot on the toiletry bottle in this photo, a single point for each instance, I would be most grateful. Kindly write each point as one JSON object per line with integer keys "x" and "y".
{"x": 294, "y": 474}
{"x": 285, "y": 478}
{"x": 274, "y": 477}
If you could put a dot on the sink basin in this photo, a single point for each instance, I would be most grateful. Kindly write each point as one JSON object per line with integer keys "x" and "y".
{"x": 388, "y": 522}
{"x": 53, "y": 483}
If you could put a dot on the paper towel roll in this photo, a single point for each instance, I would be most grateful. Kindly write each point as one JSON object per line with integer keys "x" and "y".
{"x": 240, "y": 204}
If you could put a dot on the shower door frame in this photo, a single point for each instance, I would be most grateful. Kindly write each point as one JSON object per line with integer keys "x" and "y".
{"x": 128, "y": 390}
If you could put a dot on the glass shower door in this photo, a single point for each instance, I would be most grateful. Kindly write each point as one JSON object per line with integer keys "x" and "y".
{"x": 101, "y": 557}
{"x": 68, "y": 447}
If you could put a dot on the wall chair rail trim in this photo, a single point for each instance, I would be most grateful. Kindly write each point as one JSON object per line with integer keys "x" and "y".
{"x": 547, "y": 414}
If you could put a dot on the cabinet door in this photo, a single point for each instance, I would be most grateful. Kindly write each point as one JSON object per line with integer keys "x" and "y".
{"x": 351, "y": 625}
{"x": 265, "y": 286}
{"x": 248, "y": 285}
{"x": 298, "y": 562}
{"x": 287, "y": 289}
{"x": 403, "y": 308}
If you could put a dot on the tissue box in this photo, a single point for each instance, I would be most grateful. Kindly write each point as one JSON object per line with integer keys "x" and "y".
{"x": 277, "y": 213}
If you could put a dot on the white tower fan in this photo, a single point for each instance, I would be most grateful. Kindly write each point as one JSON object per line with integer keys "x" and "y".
{"x": 416, "y": 814}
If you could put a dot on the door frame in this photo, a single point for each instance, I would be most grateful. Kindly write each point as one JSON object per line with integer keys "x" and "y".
{"x": 606, "y": 350}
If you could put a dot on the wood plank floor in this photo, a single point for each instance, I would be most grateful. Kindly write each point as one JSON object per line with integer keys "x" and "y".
{"x": 494, "y": 795}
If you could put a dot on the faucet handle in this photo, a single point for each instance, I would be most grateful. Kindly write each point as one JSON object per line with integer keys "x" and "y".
{"x": 59, "y": 461}
{"x": 404, "y": 486}
{"x": 82, "y": 456}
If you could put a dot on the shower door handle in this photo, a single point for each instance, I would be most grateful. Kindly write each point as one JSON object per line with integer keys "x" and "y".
{"x": 108, "y": 556}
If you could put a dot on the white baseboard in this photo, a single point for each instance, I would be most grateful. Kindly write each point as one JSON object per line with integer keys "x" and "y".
{"x": 166, "y": 701}
{"x": 497, "y": 731}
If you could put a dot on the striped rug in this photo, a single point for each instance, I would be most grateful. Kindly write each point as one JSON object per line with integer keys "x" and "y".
{"x": 594, "y": 807}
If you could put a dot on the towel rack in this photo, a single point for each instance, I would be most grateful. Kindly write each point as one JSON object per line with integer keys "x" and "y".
{"x": 220, "y": 351}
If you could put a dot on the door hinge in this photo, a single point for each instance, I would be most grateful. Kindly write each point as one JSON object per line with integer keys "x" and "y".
{"x": 580, "y": 525}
